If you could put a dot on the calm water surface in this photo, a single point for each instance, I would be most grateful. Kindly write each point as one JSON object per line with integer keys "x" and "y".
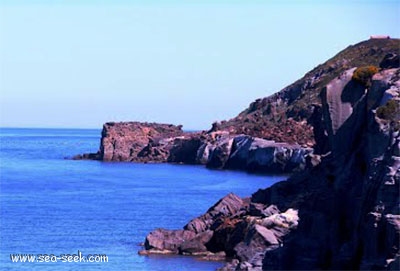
{"x": 50, "y": 205}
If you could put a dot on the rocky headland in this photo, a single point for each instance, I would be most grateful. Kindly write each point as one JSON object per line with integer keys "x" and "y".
{"x": 338, "y": 127}
{"x": 157, "y": 143}
{"x": 343, "y": 213}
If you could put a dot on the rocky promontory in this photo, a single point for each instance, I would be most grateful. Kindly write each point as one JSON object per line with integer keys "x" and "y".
{"x": 341, "y": 214}
{"x": 134, "y": 142}
{"x": 157, "y": 143}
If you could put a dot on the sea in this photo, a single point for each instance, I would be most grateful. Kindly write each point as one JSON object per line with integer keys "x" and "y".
{"x": 60, "y": 210}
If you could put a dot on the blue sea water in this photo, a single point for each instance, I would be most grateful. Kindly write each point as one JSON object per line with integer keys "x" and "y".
{"x": 51, "y": 205}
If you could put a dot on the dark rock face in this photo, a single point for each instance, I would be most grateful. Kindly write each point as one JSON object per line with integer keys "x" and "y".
{"x": 390, "y": 61}
{"x": 341, "y": 214}
{"x": 348, "y": 204}
{"x": 184, "y": 150}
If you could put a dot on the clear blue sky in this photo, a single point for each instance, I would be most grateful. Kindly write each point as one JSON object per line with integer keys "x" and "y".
{"x": 82, "y": 63}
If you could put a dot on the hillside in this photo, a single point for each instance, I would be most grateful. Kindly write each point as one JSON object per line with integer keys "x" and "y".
{"x": 285, "y": 115}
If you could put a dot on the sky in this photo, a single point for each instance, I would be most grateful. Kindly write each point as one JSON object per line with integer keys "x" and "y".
{"x": 79, "y": 64}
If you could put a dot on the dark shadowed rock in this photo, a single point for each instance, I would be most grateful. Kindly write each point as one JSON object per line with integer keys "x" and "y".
{"x": 256, "y": 209}
{"x": 390, "y": 61}
{"x": 184, "y": 150}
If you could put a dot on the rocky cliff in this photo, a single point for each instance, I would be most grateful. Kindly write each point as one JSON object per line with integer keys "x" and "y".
{"x": 341, "y": 214}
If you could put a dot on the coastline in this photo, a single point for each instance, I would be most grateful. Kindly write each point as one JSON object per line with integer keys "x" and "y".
{"x": 342, "y": 190}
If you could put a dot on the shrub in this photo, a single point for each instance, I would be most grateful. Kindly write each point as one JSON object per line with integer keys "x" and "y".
{"x": 390, "y": 111}
{"x": 363, "y": 75}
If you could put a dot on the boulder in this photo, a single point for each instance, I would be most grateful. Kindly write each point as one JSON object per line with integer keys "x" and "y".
{"x": 256, "y": 241}
{"x": 197, "y": 245}
{"x": 225, "y": 207}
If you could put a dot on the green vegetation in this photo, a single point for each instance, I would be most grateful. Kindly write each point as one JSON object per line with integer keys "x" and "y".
{"x": 363, "y": 75}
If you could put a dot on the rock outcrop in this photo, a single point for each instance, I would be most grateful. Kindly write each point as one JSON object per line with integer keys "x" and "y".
{"x": 135, "y": 142}
{"x": 231, "y": 228}
{"x": 156, "y": 143}
{"x": 341, "y": 214}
